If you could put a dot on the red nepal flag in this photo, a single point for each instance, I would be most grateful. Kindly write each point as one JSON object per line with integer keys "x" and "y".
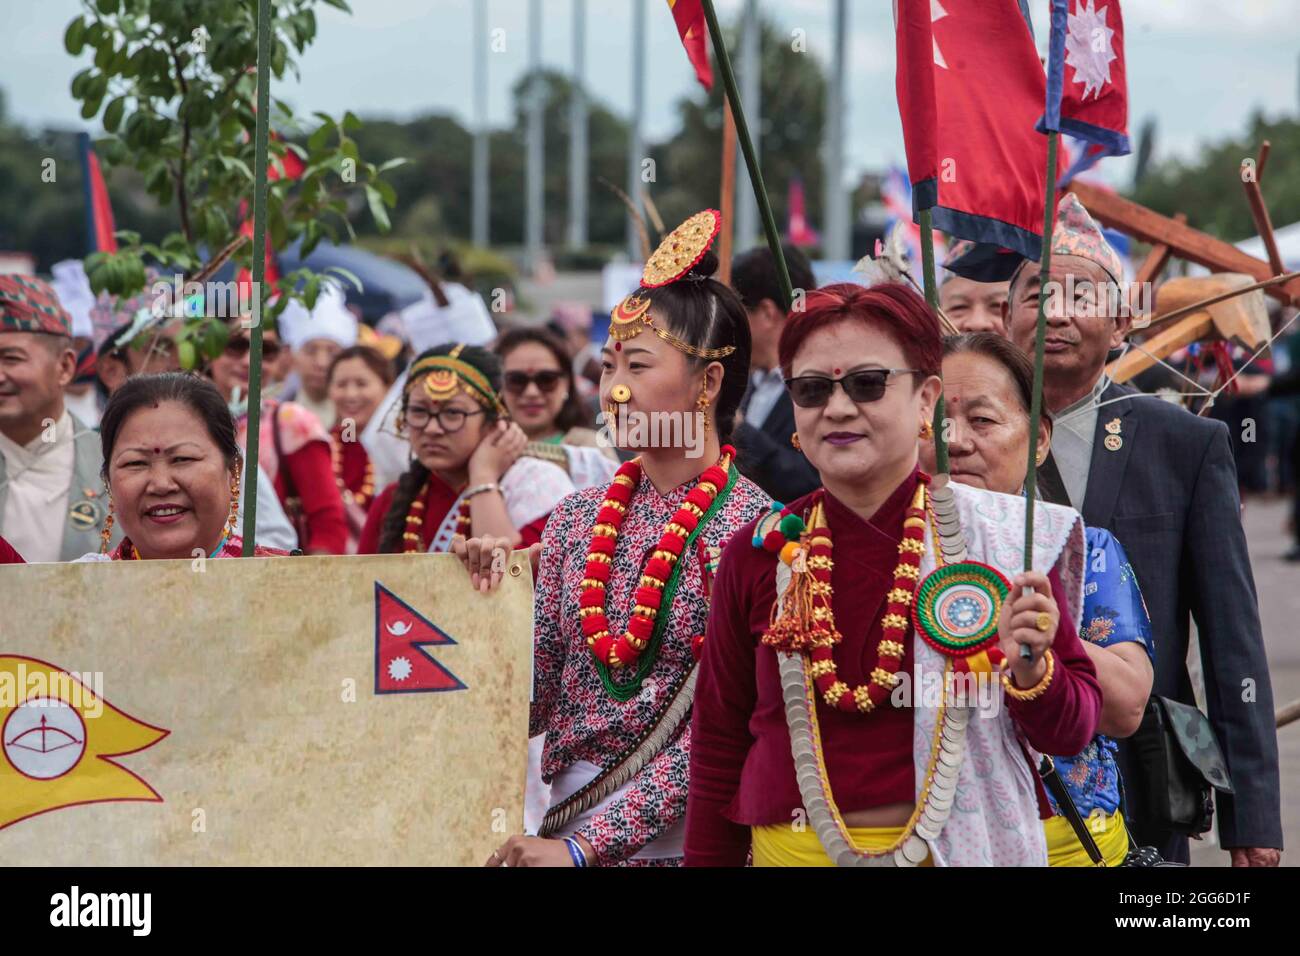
{"x": 970, "y": 90}
{"x": 1087, "y": 83}
{"x": 402, "y": 665}
{"x": 689, "y": 15}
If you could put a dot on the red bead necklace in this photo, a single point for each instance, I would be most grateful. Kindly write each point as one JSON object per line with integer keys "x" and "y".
{"x": 619, "y": 652}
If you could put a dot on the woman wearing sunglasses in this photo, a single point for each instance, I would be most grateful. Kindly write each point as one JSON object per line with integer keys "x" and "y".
{"x": 293, "y": 447}
{"x": 822, "y": 733}
{"x": 466, "y": 475}
{"x": 542, "y": 398}
{"x": 988, "y": 384}
{"x": 622, "y": 588}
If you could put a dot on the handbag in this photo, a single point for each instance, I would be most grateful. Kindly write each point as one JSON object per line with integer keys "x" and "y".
{"x": 1180, "y": 766}
{"x": 1137, "y": 856}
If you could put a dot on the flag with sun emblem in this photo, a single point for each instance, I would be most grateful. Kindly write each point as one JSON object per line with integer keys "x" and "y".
{"x": 402, "y": 665}
{"x": 1087, "y": 85}
{"x": 243, "y": 712}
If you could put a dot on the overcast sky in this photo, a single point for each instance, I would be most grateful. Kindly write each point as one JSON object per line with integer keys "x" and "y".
{"x": 1198, "y": 66}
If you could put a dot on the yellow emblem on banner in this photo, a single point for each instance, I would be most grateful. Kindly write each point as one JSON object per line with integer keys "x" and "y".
{"x": 58, "y": 735}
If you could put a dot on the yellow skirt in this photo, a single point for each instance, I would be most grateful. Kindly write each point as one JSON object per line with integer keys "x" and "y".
{"x": 779, "y": 844}
{"x": 1108, "y": 832}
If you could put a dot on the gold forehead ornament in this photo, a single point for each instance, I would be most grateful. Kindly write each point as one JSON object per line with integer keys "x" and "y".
{"x": 680, "y": 252}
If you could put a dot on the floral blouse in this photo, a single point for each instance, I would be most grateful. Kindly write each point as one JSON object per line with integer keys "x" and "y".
{"x": 1113, "y": 612}
{"x": 580, "y": 718}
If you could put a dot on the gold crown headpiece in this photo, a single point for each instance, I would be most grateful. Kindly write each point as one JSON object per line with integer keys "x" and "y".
{"x": 445, "y": 375}
{"x": 679, "y": 253}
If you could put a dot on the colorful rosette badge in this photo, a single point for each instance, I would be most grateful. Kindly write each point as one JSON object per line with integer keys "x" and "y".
{"x": 956, "y": 612}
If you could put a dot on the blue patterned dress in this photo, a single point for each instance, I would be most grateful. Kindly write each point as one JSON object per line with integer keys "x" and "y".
{"x": 1113, "y": 612}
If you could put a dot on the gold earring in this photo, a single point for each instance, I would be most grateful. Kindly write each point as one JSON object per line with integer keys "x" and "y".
{"x": 794, "y": 440}
{"x": 702, "y": 404}
{"x": 927, "y": 431}
{"x": 108, "y": 527}
{"x": 232, "y": 520}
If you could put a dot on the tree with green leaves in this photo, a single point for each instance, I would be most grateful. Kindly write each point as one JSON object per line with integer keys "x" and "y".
{"x": 174, "y": 84}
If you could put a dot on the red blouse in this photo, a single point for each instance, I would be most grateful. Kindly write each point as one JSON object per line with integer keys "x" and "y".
{"x": 8, "y": 555}
{"x": 308, "y": 475}
{"x": 438, "y": 500}
{"x": 742, "y": 772}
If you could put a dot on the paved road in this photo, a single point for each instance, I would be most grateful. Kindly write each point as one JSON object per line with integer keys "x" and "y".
{"x": 1279, "y": 603}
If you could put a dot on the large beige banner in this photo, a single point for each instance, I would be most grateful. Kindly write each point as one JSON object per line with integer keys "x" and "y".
{"x": 317, "y": 711}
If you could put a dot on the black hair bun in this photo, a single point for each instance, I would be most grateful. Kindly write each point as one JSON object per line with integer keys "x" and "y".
{"x": 707, "y": 266}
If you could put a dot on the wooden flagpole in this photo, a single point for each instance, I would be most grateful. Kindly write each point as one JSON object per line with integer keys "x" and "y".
{"x": 727, "y": 204}
{"x": 260, "y": 149}
{"x": 747, "y": 148}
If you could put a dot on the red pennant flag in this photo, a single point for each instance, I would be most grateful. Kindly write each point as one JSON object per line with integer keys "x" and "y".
{"x": 99, "y": 211}
{"x": 402, "y": 665}
{"x": 970, "y": 90}
{"x": 689, "y": 15}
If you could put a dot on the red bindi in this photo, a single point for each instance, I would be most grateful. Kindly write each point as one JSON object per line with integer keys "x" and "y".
{"x": 837, "y": 371}
{"x": 618, "y": 346}
{"x": 157, "y": 451}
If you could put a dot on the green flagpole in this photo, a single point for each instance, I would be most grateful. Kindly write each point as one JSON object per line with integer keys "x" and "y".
{"x": 1040, "y": 335}
{"x": 932, "y": 297}
{"x": 747, "y": 147}
{"x": 260, "y": 149}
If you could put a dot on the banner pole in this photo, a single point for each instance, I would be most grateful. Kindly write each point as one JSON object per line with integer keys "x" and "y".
{"x": 1040, "y": 336}
{"x": 260, "y": 150}
{"x": 747, "y": 147}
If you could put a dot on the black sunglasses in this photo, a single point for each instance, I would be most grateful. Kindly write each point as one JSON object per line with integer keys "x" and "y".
{"x": 239, "y": 346}
{"x": 868, "y": 385}
{"x": 546, "y": 381}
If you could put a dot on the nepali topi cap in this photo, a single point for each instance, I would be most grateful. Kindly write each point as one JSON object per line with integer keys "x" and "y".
{"x": 29, "y": 304}
{"x": 1077, "y": 234}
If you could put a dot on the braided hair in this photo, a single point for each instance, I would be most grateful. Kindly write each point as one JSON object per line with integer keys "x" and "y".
{"x": 413, "y": 480}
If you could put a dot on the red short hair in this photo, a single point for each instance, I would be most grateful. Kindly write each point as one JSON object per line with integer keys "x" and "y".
{"x": 891, "y": 307}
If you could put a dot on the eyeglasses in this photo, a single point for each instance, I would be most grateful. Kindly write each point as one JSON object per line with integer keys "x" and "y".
{"x": 450, "y": 420}
{"x": 239, "y": 347}
{"x": 546, "y": 381}
{"x": 868, "y": 385}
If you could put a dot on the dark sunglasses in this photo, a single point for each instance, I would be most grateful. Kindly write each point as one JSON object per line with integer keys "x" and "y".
{"x": 239, "y": 347}
{"x": 548, "y": 381}
{"x": 814, "y": 391}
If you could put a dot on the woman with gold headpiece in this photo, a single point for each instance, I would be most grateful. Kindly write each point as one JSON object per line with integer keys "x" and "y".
{"x": 622, "y": 586}
{"x": 466, "y": 475}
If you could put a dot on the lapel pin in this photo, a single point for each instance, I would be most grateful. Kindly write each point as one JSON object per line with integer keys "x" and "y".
{"x": 1114, "y": 443}
{"x": 1113, "y": 426}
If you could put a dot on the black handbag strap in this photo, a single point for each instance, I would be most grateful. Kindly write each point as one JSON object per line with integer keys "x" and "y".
{"x": 1052, "y": 780}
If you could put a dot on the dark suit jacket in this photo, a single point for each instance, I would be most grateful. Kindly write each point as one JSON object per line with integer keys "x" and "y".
{"x": 1169, "y": 494}
{"x": 766, "y": 457}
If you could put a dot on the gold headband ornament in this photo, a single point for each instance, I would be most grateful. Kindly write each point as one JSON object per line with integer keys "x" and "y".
{"x": 679, "y": 253}
{"x": 444, "y": 375}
